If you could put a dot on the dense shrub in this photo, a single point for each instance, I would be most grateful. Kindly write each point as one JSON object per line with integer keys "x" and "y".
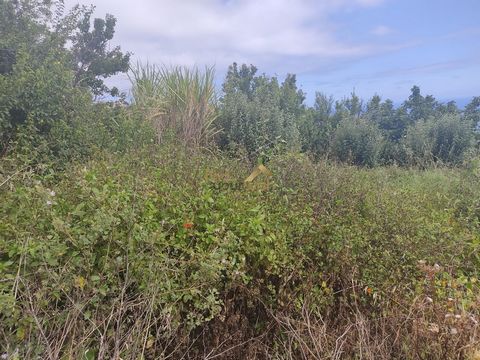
{"x": 115, "y": 246}
{"x": 165, "y": 252}
{"x": 34, "y": 99}
{"x": 47, "y": 112}
{"x": 257, "y": 113}
{"x": 358, "y": 142}
{"x": 445, "y": 139}
{"x": 45, "y": 119}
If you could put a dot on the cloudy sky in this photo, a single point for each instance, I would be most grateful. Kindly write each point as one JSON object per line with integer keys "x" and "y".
{"x": 334, "y": 46}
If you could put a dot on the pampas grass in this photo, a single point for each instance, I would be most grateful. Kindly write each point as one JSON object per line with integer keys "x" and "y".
{"x": 179, "y": 101}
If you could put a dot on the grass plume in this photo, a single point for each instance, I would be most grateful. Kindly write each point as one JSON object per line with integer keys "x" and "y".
{"x": 179, "y": 101}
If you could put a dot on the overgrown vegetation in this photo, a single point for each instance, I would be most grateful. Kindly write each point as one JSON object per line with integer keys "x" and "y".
{"x": 179, "y": 102}
{"x": 127, "y": 232}
{"x": 161, "y": 253}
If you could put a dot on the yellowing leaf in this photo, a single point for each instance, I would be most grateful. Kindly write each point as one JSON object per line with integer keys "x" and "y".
{"x": 80, "y": 282}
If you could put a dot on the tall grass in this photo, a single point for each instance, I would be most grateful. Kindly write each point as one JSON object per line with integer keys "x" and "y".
{"x": 179, "y": 101}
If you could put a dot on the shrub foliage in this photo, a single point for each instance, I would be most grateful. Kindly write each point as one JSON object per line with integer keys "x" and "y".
{"x": 127, "y": 231}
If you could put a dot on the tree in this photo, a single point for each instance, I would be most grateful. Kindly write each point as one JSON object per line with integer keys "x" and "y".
{"x": 240, "y": 80}
{"x": 373, "y": 111}
{"x": 316, "y": 125}
{"x": 41, "y": 109}
{"x": 354, "y": 105}
{"x": 472, "y": 112}
{"x": 31, "y": 68}
{"x": 347, "y": 108}
{"x": 323, "y": 106}
{"x": 419, "y": 107}
{"x": 357, "y": 141}
{"x": 445, "y": 139}
{"x": 25, "y": 24}
{"x": 256, "y": 113}
{"x": 42, "y": 26}
{"x": 448, "y": 108}
{"x": 392, "y": 122}
{"x": 91, "y": 58}
{"x": 7, "y": 59}
{"x": 291, "y": 98}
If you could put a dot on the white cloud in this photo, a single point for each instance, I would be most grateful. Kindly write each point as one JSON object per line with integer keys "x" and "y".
{"x": 278, "y": 36}
{"x": 206, "y": 31}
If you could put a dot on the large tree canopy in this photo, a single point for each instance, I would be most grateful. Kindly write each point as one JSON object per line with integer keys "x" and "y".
{"x": 41, "y": 26}
{"x": 51, "y": 65}
{"x": 91, "y": 57}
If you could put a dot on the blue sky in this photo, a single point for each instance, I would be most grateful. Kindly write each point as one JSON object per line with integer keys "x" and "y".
{"x": 334, "y": 46}
{"x": 434, "y": 44}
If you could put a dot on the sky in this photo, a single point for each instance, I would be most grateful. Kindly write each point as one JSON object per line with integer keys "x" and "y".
{"x": 333, "y": 46}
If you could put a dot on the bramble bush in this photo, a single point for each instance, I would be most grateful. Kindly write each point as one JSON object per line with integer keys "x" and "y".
{"x": 123, "y": 240}
{"x": 163, "y": 252}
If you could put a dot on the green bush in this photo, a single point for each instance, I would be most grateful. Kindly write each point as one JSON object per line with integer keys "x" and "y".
{"x": 446, "y": 139}
{"x": 44, "y": 119}
{"x": 34, "y": 99}
{"x": 115, "y": 246}
{"x": 358, "y": 142}
{"x": 168, "y": 248}
{"x": 258, "y": 114}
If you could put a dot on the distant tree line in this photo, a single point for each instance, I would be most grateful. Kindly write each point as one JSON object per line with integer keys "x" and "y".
{"x": 259, "y": 114}
{"x": 53, "y": 64}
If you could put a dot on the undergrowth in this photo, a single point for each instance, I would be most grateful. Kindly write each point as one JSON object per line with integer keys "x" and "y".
{"x": 164, "y": 253}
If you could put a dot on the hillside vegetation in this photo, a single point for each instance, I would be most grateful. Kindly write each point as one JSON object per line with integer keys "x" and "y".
{"x": 163, "y": 253}
{"x": 127, "y": 230}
